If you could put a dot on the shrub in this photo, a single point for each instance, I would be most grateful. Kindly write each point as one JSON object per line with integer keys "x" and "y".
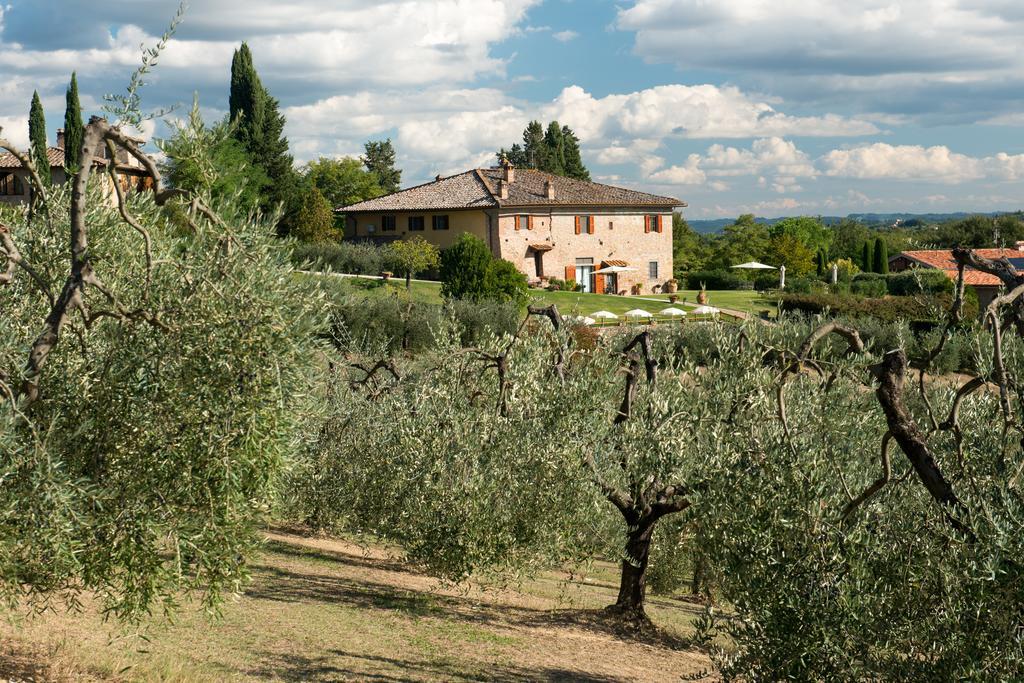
{"x": 716, "y": 279}
{"x": 469, "y": 271}
{"x": 932, "y": 307}
{"x": 355, "y": 258}
{"x": 919, "y": 281}
{"x": 869, "y": 285}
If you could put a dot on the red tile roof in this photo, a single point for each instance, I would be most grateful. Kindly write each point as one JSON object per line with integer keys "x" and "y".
{"x": 481, "y": 188}
{"x": 943, "y": 260}
{"x": 55, "y": 156}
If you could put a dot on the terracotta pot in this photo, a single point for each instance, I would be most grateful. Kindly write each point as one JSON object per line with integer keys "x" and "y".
{"x": 702, "y": 297}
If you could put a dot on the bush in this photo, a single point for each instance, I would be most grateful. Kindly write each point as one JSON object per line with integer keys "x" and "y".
{"x": 869, "y": 285}
{"x": 469, "y": 271}
{"x": 930, "y": 308}
{"x": 766, "y": 281}
{"x": 389, "y": 324}
{"x": 716, "y": 279}
{"x": 919, "y": 281}
{"x": 354, "y": 258}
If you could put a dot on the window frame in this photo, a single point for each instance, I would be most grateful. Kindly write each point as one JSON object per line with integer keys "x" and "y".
{"x": 385, "y": 219}
{"x": 11, "y": 185}
{"x": 435, "y": 219}
{"x": 652, "y": 270}
{"x": 411, "y": 223}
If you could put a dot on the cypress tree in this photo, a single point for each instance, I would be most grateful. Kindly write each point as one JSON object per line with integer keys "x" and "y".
{"x": 574, "y": 167}
{"x": 555, "y": 147}
{"x": 819, "y": 262}
{"x": 74, "y": 128}
{"x": 881, "y": 263}
{"x": 37, "y": 137}
{"x": 865, "y": 258}
{"x": 260, "y": 128}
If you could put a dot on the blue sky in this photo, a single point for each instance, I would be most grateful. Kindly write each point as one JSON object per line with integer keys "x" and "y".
{"x": 777, "y": 107}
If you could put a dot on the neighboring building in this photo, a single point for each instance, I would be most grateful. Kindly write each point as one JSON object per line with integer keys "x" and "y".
{"x": 548, "y": 226}
{"x": 15, "y": 184}
{"x": 986, "y": 286}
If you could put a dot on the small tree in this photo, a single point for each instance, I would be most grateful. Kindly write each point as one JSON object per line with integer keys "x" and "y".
{"x": 380, "y": 161}
{"x": 866, "y": 263}
{"x": 881, "y": 257}
{"x": 314, "y": 220}
{"x": 414, "y": 255}
{"x": 37, "y": 138}
{"x": 74, "y": 128}
{"x": 505, "y": 282}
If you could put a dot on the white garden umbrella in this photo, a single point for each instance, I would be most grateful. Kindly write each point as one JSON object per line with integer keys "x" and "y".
{"x": 608, "y": 315}
{"x": 754, "y": 265}
{"x": 578, "y": 319}
{"x": 706, "y": 310}
{"x": 614, "y": 269}
{"x": 672, "y": 311}
{"x": 638, "y": 313}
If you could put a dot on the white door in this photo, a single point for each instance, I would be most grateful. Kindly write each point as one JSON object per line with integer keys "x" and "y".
{"x": 585, "y": 277}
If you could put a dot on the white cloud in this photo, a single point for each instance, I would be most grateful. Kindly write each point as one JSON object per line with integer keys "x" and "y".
{"x": 691, "y": 111}
{"x": 902, "y": 162}
{"x": 688, "y": 174}
{"x": 823, "y": 49}
{"x": 565, "y": 36}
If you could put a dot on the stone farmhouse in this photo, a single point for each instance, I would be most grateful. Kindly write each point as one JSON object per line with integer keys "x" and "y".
{"x": 548, "y": 226}
{"x": 14, "y": 178}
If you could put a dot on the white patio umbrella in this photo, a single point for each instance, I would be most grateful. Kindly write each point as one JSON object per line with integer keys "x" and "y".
{"x": 672, "y": 311}
{"x": 638, "y": 313}
{"x": 614, "y": 269}
{"x": 578, "y": 319}
{"x": 754, "y": 265}
{"x": 607, "y": 315}
{"x": 706, "y": 310}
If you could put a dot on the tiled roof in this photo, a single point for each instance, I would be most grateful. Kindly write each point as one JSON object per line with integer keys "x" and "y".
{"x": 54, "y": 155}
{"x": 481, "y": 188}
{"x": 942, "y": 259}
{"x": 615, "y": 262}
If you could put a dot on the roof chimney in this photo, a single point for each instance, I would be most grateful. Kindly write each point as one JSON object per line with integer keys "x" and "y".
{"x": 549, "y": 189}
{"x": 508, "y": 170}
{"x": 60, "y": 138}
{"x": 438, "y": 178}
{"x": 502, "y": 189}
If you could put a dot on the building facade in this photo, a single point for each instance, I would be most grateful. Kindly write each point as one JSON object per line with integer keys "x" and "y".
{"x": 986, "y": 286}
{"x": 15, "y": 185}
{"x": 607, "y": 239}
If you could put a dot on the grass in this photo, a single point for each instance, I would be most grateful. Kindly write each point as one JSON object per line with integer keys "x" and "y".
{"x": 326, "y": 609}
{"x": 574, "y": 303}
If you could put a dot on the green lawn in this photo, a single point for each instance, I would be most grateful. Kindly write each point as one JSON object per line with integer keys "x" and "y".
{"x": 571, "y": 303}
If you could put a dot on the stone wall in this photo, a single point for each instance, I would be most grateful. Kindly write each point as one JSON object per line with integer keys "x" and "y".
{"x": 617, "y": 235}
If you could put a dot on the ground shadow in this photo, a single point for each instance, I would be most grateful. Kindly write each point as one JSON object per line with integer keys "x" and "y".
{"x": 327, "y": 668}
{"x": 300, "y": 587}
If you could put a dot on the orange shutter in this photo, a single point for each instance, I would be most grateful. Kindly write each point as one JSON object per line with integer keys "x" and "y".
{"x": 517, "y": 222}
{"x": 599, "y": 283}
{"x": 529, "y": 221}
{"x": 570, "y": 272}
{"x": 659, "y": 222}
{"x": 647, "y": 223}
{"x": 591, "y": 224}
{"x": 577, "y": 225}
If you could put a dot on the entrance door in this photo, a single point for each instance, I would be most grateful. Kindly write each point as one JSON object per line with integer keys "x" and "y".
{"x": 585, "y": 274}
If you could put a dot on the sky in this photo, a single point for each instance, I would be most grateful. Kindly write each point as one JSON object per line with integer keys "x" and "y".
{"x": 772, "y": 107}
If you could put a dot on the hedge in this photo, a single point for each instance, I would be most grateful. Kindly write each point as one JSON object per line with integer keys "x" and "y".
{"x": 888, "y": 309}
{"x": 355, "y": 258}
{"x": 716, "y": 279}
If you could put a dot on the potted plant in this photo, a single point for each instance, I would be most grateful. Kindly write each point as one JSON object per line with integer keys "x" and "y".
{"x": 672, "y": 286}
{"x": 702, "y": 295}
{"x": 672, "y": 298}
{"x": 386, "y": 275}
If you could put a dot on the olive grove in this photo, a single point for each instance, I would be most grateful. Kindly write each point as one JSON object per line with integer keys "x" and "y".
{"x": 862, "y": 517}
{"x": 155, "y": 356}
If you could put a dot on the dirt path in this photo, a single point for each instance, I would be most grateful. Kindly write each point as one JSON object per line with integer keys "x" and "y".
{"x": 329, "y": 610}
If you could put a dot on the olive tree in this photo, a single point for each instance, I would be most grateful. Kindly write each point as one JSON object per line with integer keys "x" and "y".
{"x": 155, "y": 351}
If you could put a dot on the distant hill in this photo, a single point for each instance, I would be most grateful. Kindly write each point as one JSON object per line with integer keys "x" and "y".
{"x": 868, "y": 219}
